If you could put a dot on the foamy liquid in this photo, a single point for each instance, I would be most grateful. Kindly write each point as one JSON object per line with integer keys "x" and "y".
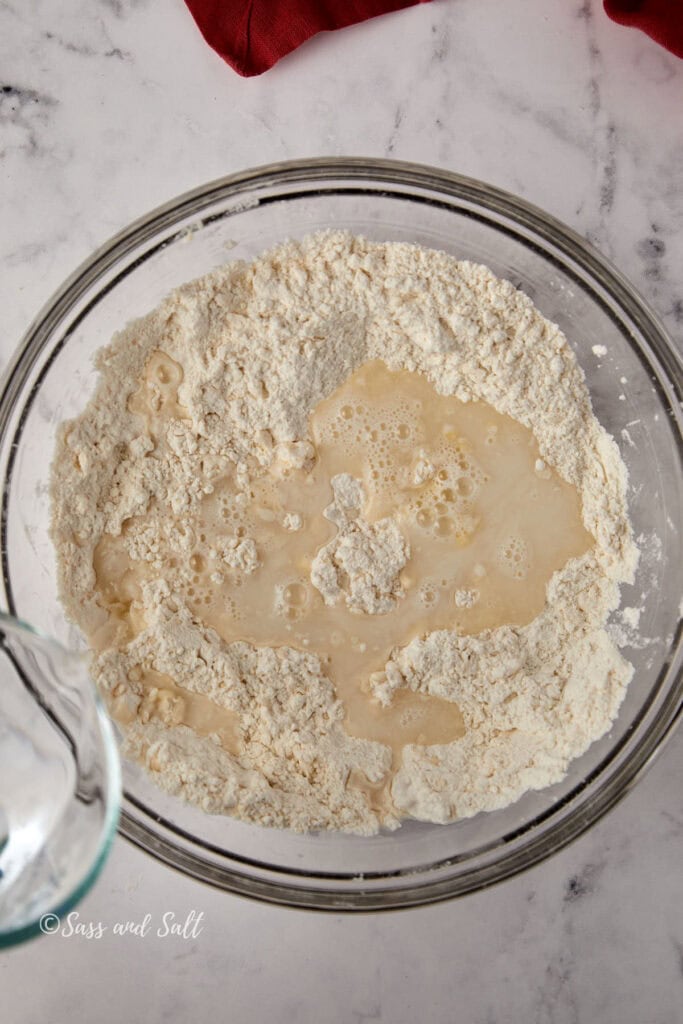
{"x": 487, "y": 523}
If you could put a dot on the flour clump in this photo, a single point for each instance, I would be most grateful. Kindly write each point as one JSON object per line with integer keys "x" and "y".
{"x": 362, "y": 563}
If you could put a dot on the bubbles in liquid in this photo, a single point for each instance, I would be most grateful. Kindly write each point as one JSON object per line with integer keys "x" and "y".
{"x": 291, "y": 599}
{"x": 412, "y": 716}
{"x": 295, "y": 594}
{"x": 513, "y": 557}
{"x": 428, "y": 594}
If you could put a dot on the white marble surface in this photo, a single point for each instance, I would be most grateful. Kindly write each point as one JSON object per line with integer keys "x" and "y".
{"x": 108, "y": 107}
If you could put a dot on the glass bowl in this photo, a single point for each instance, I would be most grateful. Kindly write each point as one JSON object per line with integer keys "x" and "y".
{"x": 635, "y": 386}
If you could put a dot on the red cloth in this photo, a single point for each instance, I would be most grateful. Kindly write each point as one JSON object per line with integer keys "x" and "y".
{"x": 661, "y": 19}
{"x": 252, "y": 35}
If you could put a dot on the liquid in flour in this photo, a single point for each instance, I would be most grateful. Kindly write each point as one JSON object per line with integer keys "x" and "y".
{"x": 485, "y": 521}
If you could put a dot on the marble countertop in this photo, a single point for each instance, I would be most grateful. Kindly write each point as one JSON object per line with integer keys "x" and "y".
{"x": 111, "y": 107}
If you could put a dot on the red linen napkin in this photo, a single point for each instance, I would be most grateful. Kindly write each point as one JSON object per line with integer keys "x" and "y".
{"x": 661, "y": 19}
{"x": 252, "y": 35}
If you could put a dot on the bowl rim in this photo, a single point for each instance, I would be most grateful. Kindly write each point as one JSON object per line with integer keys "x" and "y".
{"x": 661, "y": 356}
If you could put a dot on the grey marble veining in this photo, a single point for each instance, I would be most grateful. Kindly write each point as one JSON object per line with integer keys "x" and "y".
{"x": 592, "y": 935}
{"x": 111, "y": 107}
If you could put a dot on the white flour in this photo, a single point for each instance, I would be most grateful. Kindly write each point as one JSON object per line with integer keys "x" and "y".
{"x": 260, "y": 345}
{"x": 361, "y": 564}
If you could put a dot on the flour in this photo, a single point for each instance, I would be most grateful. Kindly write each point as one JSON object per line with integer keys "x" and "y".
{"x": 292, "y": 521}
{"x": 424, "y": 469}
{"x": 249, "y": 351}
{"x": 363, "y": 562}
{"x": 237, "y": 553}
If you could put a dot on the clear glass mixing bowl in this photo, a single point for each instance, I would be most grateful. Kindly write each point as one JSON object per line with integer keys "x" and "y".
{"x": 635, "y": 388}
